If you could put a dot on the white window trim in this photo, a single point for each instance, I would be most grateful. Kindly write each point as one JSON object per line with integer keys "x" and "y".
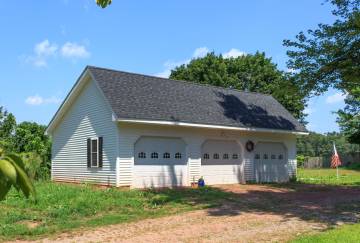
{"x": 91, "y": 153}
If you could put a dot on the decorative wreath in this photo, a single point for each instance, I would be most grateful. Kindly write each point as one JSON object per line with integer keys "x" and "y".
{"x": 249, "y": 146}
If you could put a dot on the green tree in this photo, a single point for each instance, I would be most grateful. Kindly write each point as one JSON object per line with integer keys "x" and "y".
{"x": 12, "y": 173}
{"x": 103, "y": 3}
{"x": 7, "y": 128}
{"x": 317, "y": 145}
{"x": 255, "y": 73}
{"x": 349, "y": 117}
{"x": 329, "y": 56}
{"x": 30, "y": 138}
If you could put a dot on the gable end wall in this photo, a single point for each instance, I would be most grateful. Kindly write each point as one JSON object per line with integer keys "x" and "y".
{"x": 88, "y": 117}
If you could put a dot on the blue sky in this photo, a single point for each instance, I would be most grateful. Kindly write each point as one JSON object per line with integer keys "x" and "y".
{"x": 46, "y": 44}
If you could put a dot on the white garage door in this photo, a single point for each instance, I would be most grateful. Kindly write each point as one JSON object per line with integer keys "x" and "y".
{"x": 159, "y": 162}
{"x": 270, "y": 162}
{"x": 221, "y": 162}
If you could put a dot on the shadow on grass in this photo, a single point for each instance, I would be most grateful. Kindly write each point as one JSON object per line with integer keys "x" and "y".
{"x": 317, "y": 203}
{"x": 354, "y": 166}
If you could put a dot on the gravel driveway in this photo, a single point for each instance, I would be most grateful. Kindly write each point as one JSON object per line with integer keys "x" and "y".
{"x": 255, "y": 213}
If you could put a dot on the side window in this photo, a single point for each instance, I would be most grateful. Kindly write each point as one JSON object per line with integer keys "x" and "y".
{"x": 141, "y": 155}
{"x": 265, "y": 156}
{"x": 225, "y": 156}
{"x": 206, "y": 156}
{"x": 281, "y": 156}
{"x": 154, "y": 155}
{"x": 94, "y": 153}
{"x": 257, "y": 156}
{"x": 216, "y": 156}
{"x": 235, "y": 156}
{"x": 273, "y": 156}
{"x": 166, "y": 155}
{"x": 178, "y": 155}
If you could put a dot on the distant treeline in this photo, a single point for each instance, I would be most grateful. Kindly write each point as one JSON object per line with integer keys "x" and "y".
{"x": 28, "y": 140}
{"x": 318, "y": 145}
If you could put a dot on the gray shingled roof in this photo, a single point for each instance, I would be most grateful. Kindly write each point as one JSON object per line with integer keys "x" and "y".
{"x": 136, "y": 96}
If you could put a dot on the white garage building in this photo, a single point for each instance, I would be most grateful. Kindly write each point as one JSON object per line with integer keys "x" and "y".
{"x": 124, "y": 129}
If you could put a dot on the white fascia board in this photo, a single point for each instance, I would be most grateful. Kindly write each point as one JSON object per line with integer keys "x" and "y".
{"x": 66, "y": 103}
{"x": 187, "y": 124}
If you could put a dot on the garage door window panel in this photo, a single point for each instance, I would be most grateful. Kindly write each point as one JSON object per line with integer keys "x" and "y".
{"x": 154, "y": 155}
{"x": 166, "y": 156}
{"x": 142, "y": 155}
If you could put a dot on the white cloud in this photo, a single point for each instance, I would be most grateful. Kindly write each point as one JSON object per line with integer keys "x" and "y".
{"x": 42, "y": 51}
{"x": 200, "y": 52}
{"x": 168, "y": 66}
{"x": 164, "y": 74}
{"x": 38, "y": 61}
{"x": 335, "y": 98}
{"x": 45, "y": 50}
{"x": 309, "y": 110}
{"x": 291, "y": 70}
{"x": 74, "y": 50}
{"x": 38, "y": 100}
{"x": 233, "y": 53}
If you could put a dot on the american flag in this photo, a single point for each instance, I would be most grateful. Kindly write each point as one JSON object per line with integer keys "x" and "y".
{"x": 335, "y": 159}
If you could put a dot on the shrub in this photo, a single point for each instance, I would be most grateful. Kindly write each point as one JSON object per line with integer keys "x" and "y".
{"x": 300, "y": 160}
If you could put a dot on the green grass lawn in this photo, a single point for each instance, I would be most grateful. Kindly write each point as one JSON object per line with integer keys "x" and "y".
{"x": 61, "y": 207}
{"x": 347, "y": 177}
{"x": 342, "y": 234}
{"x": 328, "y": 176}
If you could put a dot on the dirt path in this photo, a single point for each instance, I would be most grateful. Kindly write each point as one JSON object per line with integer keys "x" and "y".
{"x": 257, "y": 214}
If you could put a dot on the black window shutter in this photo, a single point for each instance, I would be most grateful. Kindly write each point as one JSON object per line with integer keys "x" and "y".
{"x": 88, "y": 153}
{"x": 100, "y": 151}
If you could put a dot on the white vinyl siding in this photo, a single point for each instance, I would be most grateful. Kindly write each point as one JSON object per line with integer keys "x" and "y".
{"x": 194, "y": 138}
{"x": 88, "y": 117}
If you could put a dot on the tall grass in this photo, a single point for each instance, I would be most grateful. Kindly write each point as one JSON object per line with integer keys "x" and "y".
{"x": 61, "y": 207}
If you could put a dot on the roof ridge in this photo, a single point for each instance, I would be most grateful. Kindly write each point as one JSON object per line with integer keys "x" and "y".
{"x": 182, "y": 81}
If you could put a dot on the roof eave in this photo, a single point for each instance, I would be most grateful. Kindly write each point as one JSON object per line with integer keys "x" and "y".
{"x": 198, "y": 125}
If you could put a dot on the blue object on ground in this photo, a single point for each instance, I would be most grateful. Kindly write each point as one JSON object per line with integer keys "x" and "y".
{"x": 201, "y": 182}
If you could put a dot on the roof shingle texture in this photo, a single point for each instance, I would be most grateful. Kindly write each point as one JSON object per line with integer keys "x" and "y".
{"x": 136, "y": 96}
